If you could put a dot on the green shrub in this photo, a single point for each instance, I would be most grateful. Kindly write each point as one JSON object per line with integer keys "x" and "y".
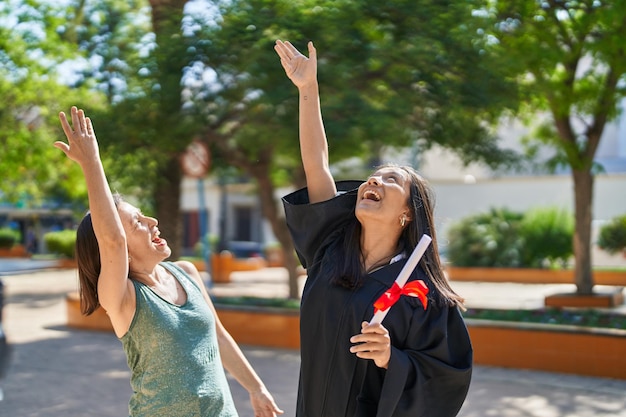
{"x": 547, "y": 233}
{"x": 612, "y": 236}
{"x": 504, "y": 238}
{"x": 486, "y": 240}
{"x": 211, "y": 240}
{"x": 8, "y": 237}
{"x": 258, "y": 302}
{"x": 61, "y": 243}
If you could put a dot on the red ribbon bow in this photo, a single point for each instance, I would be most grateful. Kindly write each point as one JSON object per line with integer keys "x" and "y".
{"x": 413, "y": 289}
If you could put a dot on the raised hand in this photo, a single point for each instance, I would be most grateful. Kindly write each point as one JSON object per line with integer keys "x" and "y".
{"x": 81, "y": 146}
{"x": 300, "y": 69}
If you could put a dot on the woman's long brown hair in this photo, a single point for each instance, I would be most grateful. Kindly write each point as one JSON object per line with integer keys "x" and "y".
{"x": 88, "y": 262}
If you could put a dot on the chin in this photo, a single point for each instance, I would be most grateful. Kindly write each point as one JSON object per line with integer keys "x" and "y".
{"x": 365, "y": 212}
{"x": 166, "y": 252}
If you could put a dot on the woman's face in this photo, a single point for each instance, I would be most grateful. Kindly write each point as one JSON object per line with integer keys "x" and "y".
{"x": 142, "y": 235}
{"x": 383, "y": 197}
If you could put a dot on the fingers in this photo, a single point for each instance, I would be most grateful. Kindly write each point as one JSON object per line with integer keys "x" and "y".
{"x": 369, "y": 342}
{"x": 65, "y": 124}
{"x": 312, "y": 50}
{"x": 272, "y": 408}
{"x": 292, "y": 49}
{"x": 264, "y": 405}
{"x": 89, "y": 126}
{"x": 80, "y": 128}
{"x": 80, "y": 123}
{"x": 284, "y": 52}
{"x": 372, "y": 343}
{"x": 287, "y": 51}
{"x": 62, "y": 146}
{"x": 281, "y": 49}
{"x": 77, "y": 123}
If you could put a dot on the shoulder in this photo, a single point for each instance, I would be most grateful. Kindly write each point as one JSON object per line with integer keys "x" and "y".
{"x": 187, "y": 267}
{"x": 190, "y": 269}
{"x": 196, "y": 279}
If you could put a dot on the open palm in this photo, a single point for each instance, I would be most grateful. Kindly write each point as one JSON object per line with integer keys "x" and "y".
{"x": 300, "y": 69}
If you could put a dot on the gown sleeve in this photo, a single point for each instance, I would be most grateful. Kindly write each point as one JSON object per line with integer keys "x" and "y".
{"x": 310, "y": 225}
{"x": 430, "y": 375}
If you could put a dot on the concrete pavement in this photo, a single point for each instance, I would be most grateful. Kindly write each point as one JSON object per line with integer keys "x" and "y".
{"x": 58, "y": 371}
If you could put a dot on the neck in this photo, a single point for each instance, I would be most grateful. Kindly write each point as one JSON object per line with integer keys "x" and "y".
{"x": 377, "y": 249}
{"x": 147, "y": 275}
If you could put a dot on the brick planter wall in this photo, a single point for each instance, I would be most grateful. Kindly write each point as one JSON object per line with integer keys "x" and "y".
{"x": 543, "y": 347}
{"x": 263, "y": 326}
{"x": 548, "y": 347}
{"x": 531, "y": 276}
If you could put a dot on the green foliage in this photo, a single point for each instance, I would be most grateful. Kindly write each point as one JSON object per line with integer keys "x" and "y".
{"x": 286, "y": 303}
{"x": 489, "y": 239}
{"x": 211, "y": 240}
{"x": 390, "y": 73}
{"x": 537, "y": 238}
{"x": 61, "y": 243}
{"x": 612, "y": 236}
{"x": 578, "y": 317}
{"x": 8, "y": 237}
{"x": 33, "y": 92}
{"x": 548, "y": 234}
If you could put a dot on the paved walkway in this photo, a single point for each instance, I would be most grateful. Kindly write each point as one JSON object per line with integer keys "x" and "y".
{"x": 57, "y": 371}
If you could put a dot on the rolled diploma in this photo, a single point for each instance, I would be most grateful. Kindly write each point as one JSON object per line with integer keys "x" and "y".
{"x": 405, "y": 273}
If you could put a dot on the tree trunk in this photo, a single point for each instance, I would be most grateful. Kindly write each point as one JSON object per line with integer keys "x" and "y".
{"x": 270, "y": 209}
{"x": 167, "y": 201}
{"x": 259, "y": 168}
{"x": 583, "y": 196}
{"x": 170, "y": 57}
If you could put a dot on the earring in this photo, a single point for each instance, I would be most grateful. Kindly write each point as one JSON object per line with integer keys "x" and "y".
{"x": 129, "y": 259}
{"x": 402, "y": 221}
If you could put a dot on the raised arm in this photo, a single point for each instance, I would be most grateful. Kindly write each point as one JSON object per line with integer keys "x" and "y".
{"x": 82, "y": 147}
{"x": 302, "y": 71}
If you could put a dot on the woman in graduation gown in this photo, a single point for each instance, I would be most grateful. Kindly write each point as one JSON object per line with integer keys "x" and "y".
{"x": 353, "y": 238}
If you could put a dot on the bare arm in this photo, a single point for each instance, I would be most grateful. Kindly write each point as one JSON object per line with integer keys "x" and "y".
{"x": 234, "y": 360}
{"x": 302, "y": 71}
{"x": 82, "y": 147}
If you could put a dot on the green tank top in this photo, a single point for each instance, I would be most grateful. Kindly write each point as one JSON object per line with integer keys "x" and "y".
{"x": 172, "y": 352}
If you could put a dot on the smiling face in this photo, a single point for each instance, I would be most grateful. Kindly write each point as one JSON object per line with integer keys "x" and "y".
{"x": 383, "y": 197}
{"x": 142, "y": 235}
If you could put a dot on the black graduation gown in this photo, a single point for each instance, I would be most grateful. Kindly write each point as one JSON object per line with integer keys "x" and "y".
{"x": 431, "y": 358}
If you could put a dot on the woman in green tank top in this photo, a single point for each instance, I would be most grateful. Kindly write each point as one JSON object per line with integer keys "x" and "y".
{"x": 175, "y": 344}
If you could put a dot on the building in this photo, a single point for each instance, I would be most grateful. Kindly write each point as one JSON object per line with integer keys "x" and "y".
{"x": 34, "y": 223}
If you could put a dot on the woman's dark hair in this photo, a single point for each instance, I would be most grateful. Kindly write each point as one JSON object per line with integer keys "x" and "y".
{"x": 88, "y": 262}
{"x": 421, "y": 204}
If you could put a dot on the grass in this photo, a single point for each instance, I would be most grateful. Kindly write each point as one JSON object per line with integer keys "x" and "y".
{"x": 259, "y": 302}
{"x": 575, "y": 317}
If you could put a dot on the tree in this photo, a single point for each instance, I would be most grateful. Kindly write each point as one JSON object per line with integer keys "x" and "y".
{"x": 32, "y": 94}
{"x": 391, "y": 73}
{"x": 568, "y": 58}
{"x": 142, "y": 55}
